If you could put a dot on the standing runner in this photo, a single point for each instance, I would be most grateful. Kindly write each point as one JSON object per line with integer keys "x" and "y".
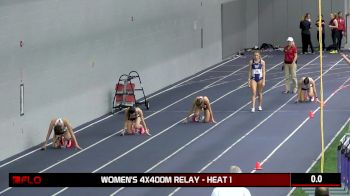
{"x": 256, "y": 78}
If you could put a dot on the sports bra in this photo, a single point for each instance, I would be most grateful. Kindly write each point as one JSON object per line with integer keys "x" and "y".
{"x": 134, "y": 117}
{"x": 256, "y": 69}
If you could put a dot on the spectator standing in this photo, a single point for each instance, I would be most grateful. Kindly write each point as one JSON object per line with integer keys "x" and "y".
{"x": 333, "y": 25}
{"x": 290, "y": 65}
{"x": 321, "y": 23}
{"x": 305, "y": 26}
{"x": 341, "y": 29}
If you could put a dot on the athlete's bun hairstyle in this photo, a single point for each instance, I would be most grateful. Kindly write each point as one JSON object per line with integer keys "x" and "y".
{"x": 58, "y": 129}
{"x": 199, "y": 102}
{"x": 132, "y": 110}
{"x": 306, "y": 80}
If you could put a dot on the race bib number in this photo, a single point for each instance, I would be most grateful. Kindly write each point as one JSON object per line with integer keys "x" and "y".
{"x": 257, "y": 71}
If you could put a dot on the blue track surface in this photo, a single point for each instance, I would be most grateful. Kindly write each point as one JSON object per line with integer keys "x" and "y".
{"x": 239, "y": 137}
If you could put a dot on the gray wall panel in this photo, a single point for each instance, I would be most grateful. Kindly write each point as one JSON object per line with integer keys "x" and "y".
{"x": 252, "y": 23}
{"x": 74, "y": 51}
{"x": 294, "y": 16}
{"x": 279, "y": 21}
{"x": 265, "y": 24}
{"x": 233, "y": 27}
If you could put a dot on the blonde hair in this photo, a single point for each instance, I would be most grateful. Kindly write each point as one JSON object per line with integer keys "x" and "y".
{"x": 199, "y": 101}
{"x": 257, "y": 52}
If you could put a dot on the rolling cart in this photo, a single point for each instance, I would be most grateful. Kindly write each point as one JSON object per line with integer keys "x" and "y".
{"x": 125, "y": 92}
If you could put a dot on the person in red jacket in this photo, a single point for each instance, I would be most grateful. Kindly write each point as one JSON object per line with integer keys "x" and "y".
{"x": 341, "y": 29}
{"x": 290, "y": 66}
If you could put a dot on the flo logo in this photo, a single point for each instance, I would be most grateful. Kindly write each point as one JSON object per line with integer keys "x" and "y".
{"x": 16, "y": 179}
{"x": 26, "y": 180}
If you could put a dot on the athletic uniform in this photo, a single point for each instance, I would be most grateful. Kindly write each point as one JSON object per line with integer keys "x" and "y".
{"x": 334, "y": 35}
{"x": 69, "y": 143}
{"x": 133, "y": 117}
{"x": 202, "y": 107}
{"x": 257, "y": 71}
{"x": 306, "y": 87}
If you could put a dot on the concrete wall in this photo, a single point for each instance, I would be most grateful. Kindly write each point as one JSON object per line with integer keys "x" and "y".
{"x": 233, "y": 27}
{"x": 240, "y": 29}
{"x": 74, "y": 51}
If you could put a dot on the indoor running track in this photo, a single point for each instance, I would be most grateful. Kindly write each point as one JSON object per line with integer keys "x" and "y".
{"x": 281, "y": 136}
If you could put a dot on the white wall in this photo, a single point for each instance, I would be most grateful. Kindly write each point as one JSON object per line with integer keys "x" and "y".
{"x": 240, "y": 25}
{"x": 75, "y": 50}
{"x": 234, "y": 27}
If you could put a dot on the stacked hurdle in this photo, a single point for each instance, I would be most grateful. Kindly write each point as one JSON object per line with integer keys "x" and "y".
{"x": 343, "y": 160}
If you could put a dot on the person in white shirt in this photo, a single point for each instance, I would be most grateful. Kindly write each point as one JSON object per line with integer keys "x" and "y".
{"x": 231, "y": 191}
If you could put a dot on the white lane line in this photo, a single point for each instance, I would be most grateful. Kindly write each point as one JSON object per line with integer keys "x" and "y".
{"x": 287, "y": 138}
{"x": 92, "y": 145}
{"x": 298, "y": 128}
{"x": 38, "y": 149}
{"x": 319, "y": 156}
{"x": 100, "y": 141}
{"x": 245, "y": 135}
{"x": 232, "y": 114}
{"x": 196, "y": 76}
{"x": 206, "y": 87}
{"x": 87, "y": 126}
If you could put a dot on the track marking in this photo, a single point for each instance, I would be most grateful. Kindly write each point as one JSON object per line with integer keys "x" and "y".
{"x": 206, "y": 87}
{"x": 219, "y": 156}
{"x": 94, "y": 144}
{"x": 232, "y": 114}
{"x": 87, "y": 126}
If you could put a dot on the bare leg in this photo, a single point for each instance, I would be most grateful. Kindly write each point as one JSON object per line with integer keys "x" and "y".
{"x": 56, "y": 141}
{"x": 137, "y": 123}
{"x": 129, "y": 127}
{"x": 302, "y": 96}
{"x": 207, "y": 116}
{"x": 253, "y": 87}
{"x": 287, "y": 77}
{"x": 260, "y": 89}
{"x": 311, "y": 93}
{"x": 196, "y": 113}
